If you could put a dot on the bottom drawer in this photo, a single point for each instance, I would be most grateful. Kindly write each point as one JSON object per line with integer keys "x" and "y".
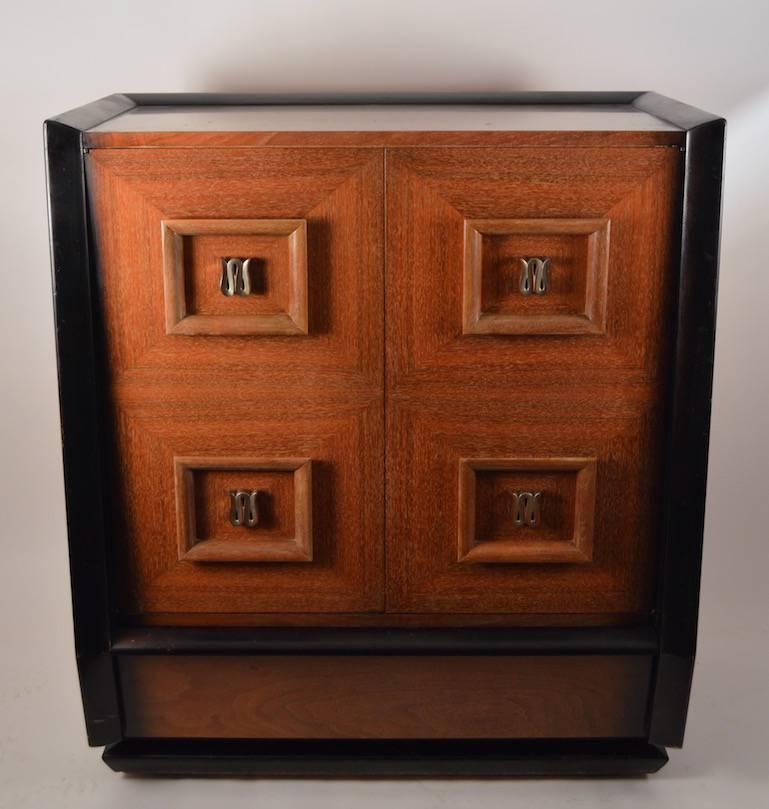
{"x": 384, "y": 697}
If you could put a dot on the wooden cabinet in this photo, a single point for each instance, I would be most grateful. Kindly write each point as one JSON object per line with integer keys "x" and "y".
{"x": 385, "y": 422}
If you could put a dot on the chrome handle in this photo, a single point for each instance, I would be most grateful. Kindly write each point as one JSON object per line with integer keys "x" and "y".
{"x": 525, "y": 508}
{"x": 535, "y": 275}
{"x": 236, "y": 276}
{"x": 244, "y": 508}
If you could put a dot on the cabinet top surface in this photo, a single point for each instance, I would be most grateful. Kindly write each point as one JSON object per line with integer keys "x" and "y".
{"x": 386, "y": 118}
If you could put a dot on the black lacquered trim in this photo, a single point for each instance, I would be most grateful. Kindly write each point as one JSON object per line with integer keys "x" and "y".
{"x": 688, "y": 431}
{"x": 95, "y": 113}
{"x": 82, "y": 431}
{"x": 283, "y": 99}
{"x": 674, "y": 112}
{"x": 228, "y": 640}
{"x": 338, "y": 758}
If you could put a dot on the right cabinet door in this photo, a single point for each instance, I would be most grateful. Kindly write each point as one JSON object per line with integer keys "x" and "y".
{"x": 530, "y": 299}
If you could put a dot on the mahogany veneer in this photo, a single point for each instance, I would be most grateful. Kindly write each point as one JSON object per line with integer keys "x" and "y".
{"x": 370, "y": 697}
{"x": 193, "y": 250}
{"x": 284, "y": 500}
{"x": 576, "y": 299}
{"x": 387, "y": 425}
{"x": 487, "y": 532}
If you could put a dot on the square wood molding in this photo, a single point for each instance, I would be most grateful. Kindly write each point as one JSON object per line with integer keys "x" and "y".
{"x": 566, "y": 536}
{"x": 251, "y": 544}
{"x": 292, "y": 318}
{"x": 575, "y": 301}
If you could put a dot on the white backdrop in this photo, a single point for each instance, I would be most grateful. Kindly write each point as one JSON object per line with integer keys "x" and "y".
{"x": 58, "y": 55}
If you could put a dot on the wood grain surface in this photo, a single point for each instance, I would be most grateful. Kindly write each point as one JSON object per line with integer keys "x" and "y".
{"x": 381, "y": 697}
{"x": 316, "y": 396}
{"x": 193, "y": 253}
{"x": 284, "y": 502}
{"x": 485, "y": 530}
{"x": 575, "y": 299}
{"x": 454, "y": 396}
{"x": 447, "y": 395}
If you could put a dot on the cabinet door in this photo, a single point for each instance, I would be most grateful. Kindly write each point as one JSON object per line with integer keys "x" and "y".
{"x": 530, "y": 296}
{"x": 241, "y": 299}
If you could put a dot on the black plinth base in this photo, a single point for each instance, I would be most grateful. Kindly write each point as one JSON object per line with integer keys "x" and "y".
{"x": 385, "y": 759}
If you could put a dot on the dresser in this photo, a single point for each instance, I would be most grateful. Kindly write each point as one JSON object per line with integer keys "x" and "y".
{"x": 385, "y": 427}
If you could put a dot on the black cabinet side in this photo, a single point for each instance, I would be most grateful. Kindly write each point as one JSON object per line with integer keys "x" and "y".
{"x": 80, "y": 412}
{"x": 688, "y": 429}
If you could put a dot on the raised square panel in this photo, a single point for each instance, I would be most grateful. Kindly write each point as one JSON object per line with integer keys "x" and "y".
{"x": 501, "y": 294}
{"x": 519, "y": 510}
{"x": 180, "y": 465}
{"x": 337, "y": 192}
{"x": 244, "y": 510}
{"x": 461, "y": 219}
{"x": 235, "y": 276}
{"x": 453, "y": 549}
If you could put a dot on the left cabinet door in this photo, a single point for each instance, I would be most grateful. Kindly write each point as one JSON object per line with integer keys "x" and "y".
{"x": 240, "y": 298}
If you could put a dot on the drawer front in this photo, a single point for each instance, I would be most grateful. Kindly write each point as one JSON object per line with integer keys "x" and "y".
{"x": 530, "y": 294}
{"x": 417, "y": 697}
{"x": 242, "y": 293}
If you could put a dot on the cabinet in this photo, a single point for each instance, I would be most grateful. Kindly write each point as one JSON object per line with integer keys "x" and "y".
{"x": 383, "y": 427}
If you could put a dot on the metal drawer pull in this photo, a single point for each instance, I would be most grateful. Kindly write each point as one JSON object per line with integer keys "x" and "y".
{"x": 535, "y": 276}
{"x": 525, "y": 508}
{"x": 236, "y": 276}
{"x": 244, "y": 508}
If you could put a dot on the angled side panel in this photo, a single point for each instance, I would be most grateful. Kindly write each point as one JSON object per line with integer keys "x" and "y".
{"x": 80, "y": 417}
{"x": 689, "y": 425}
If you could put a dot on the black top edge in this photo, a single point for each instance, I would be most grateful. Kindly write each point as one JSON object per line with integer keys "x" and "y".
{"x": 243, "y": 99}
{"x": 239, "y": 640}
{"x": 665, "y": 109}
{"x": 674, "y": 112}
{"x": 95, "y": 113}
